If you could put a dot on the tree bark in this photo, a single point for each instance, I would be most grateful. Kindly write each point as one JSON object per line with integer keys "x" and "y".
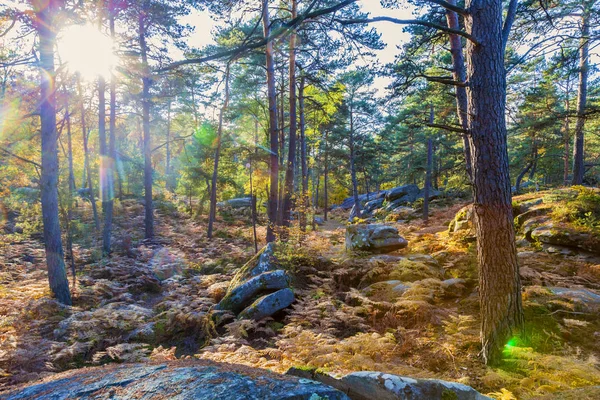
{"x": 499, "y": 281}
{"x": 578, "y": 147}
{"x": 213, "y": 187}
{"x": 146, "y": 82}
{"x": 291, "y": 161}
{"x": 57, "y": 275}
{"x": 102, "y": 140}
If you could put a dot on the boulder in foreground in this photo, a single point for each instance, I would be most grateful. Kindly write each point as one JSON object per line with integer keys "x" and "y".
{"x": 196, "y": 379}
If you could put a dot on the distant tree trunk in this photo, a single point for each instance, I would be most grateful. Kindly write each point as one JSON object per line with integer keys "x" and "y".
{"x": 578, "y": 147}
{"x": 111, "y": 159}
{"x": 428, "y": 170}
{"x": 303, "y": 158}
{"x": 522, "y": 175}
{"x": 213, "y": 187}
{"x": 168, "y": 185}
{"x": 146, "y": 82}
{"x": 499, "y": 281}
{"x": 460, "y": 74}
{"x": 273, "y": 131}
{"x": 71, "y": 256}
{"x": 357, "y": 208}
{"x": 291, "y": 161}
{"x": 253, "y": 196}
{"x": 566, "y": 139}
{"x": 86, "y": 155}
{"x": 57, "y": 275}
{"x": 102, "y": 140}
{"x": 326, "y": 177}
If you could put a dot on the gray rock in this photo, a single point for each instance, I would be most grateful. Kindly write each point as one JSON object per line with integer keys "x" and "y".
{"x": 367, "y": 385}
{"x": 401, "y": 191}
{"x": 319, "y": 221}
{"x": 238, "y": 297}
{"x": 373, "y": 205}
{"x": 562, "y": 236}
{"x": 585, "y": 296}
{"x": 174, "y": 380}
{"x": 463, "y": 220}
{"x": 242, "y": 202}
{"x": 375, "y": 238}
{"x": 424, "y": 258}
{"x": 262, "y": 262}
{"x": 268, "y": 305}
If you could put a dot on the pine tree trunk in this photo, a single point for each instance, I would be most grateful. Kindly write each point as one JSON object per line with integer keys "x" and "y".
{"x": 303, "y": 158}
{"x": 69, "y": 229}
{"x": 86, "y": 155}
{"x": 273, "y": 131}
{"x": 288, "y": 190}
{"x": 146, "y": 82}
{"x": 168, "y": 184}
{"x": 460, "y": 74}
{"x": 326, "y": 177}
{"x": 57, "y": 275}
{"x": 578, "y": 147}
{"x": 499, "y": 281}
{"x": 357, "y": 208}
{"x": 428, "y": 171}
{"x": 102, "y": 140}
{"x": 213, "y": 187}
{"x": 566, "y": 140}
{"x": 111, "y": 159}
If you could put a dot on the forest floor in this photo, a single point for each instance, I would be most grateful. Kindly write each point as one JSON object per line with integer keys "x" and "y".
{"x": 151, "y": 299}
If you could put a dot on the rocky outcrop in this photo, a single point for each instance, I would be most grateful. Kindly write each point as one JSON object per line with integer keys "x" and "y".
{"x": 242, "y": 202}
{"x": 386, "y": 200}
{"x": 174, "y": 380}
{"x": 374, "y": 238}
{"x": 368, "y": 385}
{"x": 560, "y": 235}
{"x": 258, "y": 290}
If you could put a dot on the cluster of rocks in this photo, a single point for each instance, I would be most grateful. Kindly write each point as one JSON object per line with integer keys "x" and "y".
{"x": 199, "y": 379}
{"x": 374, "y": 238}
{"x": 393, "y": 200}
{"x": 534, "y": 222}
{"x": 258, "y": 290}
{"x": 241, "y": 206}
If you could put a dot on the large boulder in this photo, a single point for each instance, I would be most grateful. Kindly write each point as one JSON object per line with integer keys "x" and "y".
{"x": 268, "y": 305}
{"x": 560, "y": 235}
{"x": 402, "y": 191}
{"x": 463, "y": 220}
{"x": 258, "y": 290}
{"x": 374, "y": 238}
{"x": 197, "y": 379}
{"x": 241, "y": 202}
{"x": 240, "y": 296}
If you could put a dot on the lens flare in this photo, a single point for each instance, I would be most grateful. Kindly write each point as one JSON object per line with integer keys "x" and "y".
{"x": 87, "y": 50}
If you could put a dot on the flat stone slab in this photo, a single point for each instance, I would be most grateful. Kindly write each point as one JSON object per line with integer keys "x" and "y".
{"x": 178, "y": 380}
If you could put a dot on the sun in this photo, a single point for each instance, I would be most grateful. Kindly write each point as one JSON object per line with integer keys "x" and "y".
{"x": 87, "y": 51}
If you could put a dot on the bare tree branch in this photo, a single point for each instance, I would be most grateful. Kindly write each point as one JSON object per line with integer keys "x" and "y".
{"x": 409, "y": 22}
